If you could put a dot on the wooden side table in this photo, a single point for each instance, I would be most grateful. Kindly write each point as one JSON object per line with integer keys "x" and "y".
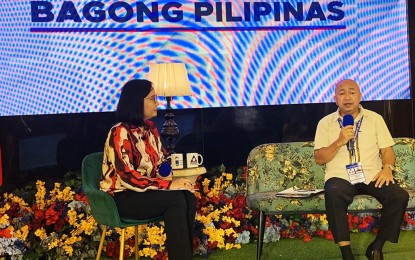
{"x": 189, "y": 173}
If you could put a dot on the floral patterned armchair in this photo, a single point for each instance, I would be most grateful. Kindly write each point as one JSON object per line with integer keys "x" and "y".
{"x": 274, "y": 167}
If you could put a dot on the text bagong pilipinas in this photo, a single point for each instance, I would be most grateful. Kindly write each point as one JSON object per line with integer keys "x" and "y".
{"x": 121, "y": 12}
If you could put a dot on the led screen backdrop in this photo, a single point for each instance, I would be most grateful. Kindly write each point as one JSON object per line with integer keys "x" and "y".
{"x": 74, "y": 56}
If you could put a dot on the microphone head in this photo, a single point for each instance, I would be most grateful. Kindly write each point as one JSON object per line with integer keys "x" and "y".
{"x": 165, "y": 169}
{"x": 348, "y": 120}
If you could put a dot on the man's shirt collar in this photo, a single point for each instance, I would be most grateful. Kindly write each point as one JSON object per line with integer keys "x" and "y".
{"x": 362, "y": 113}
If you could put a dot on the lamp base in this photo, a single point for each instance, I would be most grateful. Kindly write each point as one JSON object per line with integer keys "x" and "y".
{"x": 169, "y": 131}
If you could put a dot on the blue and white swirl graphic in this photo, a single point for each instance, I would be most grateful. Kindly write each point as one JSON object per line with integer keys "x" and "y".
{"x": 68, "y": 57}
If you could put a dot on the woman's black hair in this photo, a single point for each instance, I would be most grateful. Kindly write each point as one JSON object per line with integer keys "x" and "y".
{"x": 130, "y": 109}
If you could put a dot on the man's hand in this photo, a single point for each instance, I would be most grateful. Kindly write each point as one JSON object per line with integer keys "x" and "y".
{"x": 346, "y": 134}
{"x": 326, "y": 154}
{"x": 383, "y": 177}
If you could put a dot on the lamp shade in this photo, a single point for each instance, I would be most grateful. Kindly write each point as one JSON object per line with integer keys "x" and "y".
{"x": 170, "y": 79}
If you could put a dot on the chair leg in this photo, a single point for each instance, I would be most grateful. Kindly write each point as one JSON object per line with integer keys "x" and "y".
{"x": 260, "y": 234}
{"x": 122, "y": 244}
{"x": 101, "y": 243}
{"x": 136, "y": 243}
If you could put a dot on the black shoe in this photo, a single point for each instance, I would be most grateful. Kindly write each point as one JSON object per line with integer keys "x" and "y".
{"x": 373, "y": 254}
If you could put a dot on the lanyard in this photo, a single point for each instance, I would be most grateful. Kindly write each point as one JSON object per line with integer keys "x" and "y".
{"x": 355, "y": 139}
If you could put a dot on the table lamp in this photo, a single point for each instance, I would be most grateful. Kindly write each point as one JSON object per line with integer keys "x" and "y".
{"x": 170, "y": 80}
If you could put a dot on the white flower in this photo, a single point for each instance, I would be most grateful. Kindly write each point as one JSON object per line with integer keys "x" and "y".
{"x": 272, "y": 234}
{"x": 8, "y": 247}
{"x": 243, "y": 238}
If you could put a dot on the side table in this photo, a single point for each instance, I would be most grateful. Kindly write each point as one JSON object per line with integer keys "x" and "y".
{"x": 189, "y": 173}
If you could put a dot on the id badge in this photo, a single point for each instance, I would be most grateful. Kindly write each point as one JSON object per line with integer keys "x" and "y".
{"x": 355, "y": 172}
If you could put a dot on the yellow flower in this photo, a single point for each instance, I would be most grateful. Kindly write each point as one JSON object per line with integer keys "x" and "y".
{"x": 87, "y": 226}
{"x": 215, "y": 235}
{"x": 231, "y": 220}
{"x": 41, "y": 233}
{"x": 230, "y": 232}
{"x": 205, "y": 185}
{"x": 323, "y": 219}
{"x": 53, "y": 244}
{"x": 67, "y": 242}
{"x": 231, "y": 245}
{"x": 5, "y": 208}
{"x": 53, "y": 193}
{"x": 228, "y": 176}
{"x": 22, "y": 233}
{"x": 148, "y": 252}
{"x": 4, "y": 221}
{"x": 22, "y": 204}
{"x": 155, "y": 236}
{"x": 72, "y": 216}
{"x": 40, "y": 195}
{"x": 65, "y": 195}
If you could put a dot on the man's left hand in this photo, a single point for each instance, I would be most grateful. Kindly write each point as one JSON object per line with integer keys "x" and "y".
{"x": 385, "y": 176}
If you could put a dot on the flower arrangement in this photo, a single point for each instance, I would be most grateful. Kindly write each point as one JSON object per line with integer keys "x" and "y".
{"x": 223, "y": 218}
{"x": 35, "y": 223}
{"x": 54, "y": 224}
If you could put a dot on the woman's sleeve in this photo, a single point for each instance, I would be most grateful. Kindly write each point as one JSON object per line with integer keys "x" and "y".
{"x": 124, "y": 159}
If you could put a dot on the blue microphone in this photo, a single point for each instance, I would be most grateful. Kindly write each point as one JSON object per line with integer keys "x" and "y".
{"x": 349, "y": 120}
{"x": 165, "y": 169}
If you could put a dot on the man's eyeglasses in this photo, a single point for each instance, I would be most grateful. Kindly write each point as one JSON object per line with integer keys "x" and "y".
{"x": 152, "y": 98}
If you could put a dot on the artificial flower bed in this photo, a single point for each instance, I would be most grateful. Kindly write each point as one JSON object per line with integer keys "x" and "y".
{"x": 57, "y": 224}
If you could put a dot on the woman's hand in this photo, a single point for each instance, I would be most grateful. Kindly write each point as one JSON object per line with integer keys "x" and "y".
{"x": 182, "y": 184}
{"x": 167, "y": 178}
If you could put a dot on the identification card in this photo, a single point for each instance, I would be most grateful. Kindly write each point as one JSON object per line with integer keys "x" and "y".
{"x": 355, "y": 172}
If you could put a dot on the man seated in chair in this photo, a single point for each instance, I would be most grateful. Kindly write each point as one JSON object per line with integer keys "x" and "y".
{"x": 359, "y": 159}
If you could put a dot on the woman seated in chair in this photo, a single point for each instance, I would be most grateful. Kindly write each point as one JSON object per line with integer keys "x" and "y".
{"x": 132, "y": 155}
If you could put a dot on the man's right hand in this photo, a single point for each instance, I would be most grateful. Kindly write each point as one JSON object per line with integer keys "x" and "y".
{"x": 346, "y": 134}
{"x": 326, "y": 154}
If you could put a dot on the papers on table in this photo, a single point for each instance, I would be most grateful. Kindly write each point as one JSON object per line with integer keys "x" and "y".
{"x": 298, "y": 193}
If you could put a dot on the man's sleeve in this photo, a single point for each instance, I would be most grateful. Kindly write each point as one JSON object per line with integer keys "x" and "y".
{"x": 321, "y": 138}
{"x": 383, "y": 135}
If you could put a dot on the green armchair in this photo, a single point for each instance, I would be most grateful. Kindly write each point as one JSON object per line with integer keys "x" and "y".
{"x": 103, "y": 207}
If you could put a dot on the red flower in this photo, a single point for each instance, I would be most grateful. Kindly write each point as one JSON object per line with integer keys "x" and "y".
{"x": 245, "y": 174}
{"x": 224, "y": 199}
{"x": 195, "y": 242}
{"x": 215, "y": 200}
{"x": 112, "y": 249}
{"x": 6, "y": 233}
{"x": 355, "y": 219}
{"x": 161, "y": 255}
{"x": 213, "y": 245}
{"x": 51, "y": 215}
{"x": 81, "y": 197}
{"x": 320, "y": 233}
{"x": 408, "y": 219}
{"x": 38, "y": 217}
{"x": 131, "y": 242}
{"x": 254, "y": 230}
{"x": 225, "y": 225}
{"x": 60, "y": 224}
{"x": 307, "y": 238}
{"x": 239, "y": 201}
{"x": 284, "y": 233}
{"x": 237, "y": 213}
{"x": 268, "y": 221}
{"x": 329, "y": 235}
